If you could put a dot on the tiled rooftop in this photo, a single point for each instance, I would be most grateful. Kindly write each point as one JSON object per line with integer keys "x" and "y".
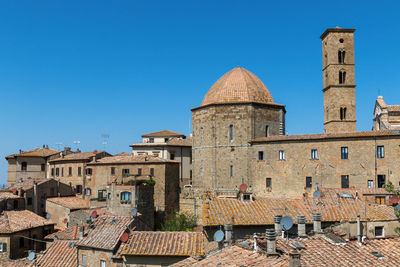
{"x": 175, "y": 141}
{"x": 238, "y": 85}
{"x": 163, "y": 133}
{"x": 164, "y": 244}
{"x": 8, "y": 195}
{"x": 131, "y": 159}
{"x": 107, "y": 231}
{"x": 38, "y": 152}
{"x": 58, "y": 254}
{"x": 72, "y": 202}
{"x": 85, "y": 156}
{"x": 26, "y": 184}
{"x": 70, "y": 233}
{"x": 310, "y": 137}
{"x": 14, "y": 221}
{"x": 333, "y": 207}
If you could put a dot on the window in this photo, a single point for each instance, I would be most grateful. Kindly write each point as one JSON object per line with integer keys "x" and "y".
{"x": 342, "y": 77}
{"x": 246, "y": 197}
{"x": 139, "y": 171}
{"x": 102, "y": 263}
{"x": 341, "y": 40}
{"x": 52, "y": 171}
{"x": 344, "y": 152}
{"x": 112, "y": 170}
{"x": 190, "y": 157}
{"x": 201, "y": 136}
{"x": 281, "y": 154}
{"x": 343, "y": 113}
{"x": 380, "y": 200}
{"x": 314, "y": 153}
{"x": 268, "y": 182}
{"x": 152, "y": 171}
{"x": 126, "y": 197}
{"x": 57, "y": 171}
{"x": 341, "y": 55}
{"x": 62, "y": 172}
{"x": 345, "y": 181}
{"x": 380, "y": 152}
{"x": 29, "y": 201}
{"x": 43, "y": 167}
{"x": 79, "y": 171}
{"x": 231, "y": 133}
{"x": 260, "y": 155}
{"x": 79, "y": 189}
{"x": 125, "y": 172}
{"x": 172, "y": 156}
{"x": 3, "y": 247}
{"x": 21, "y": 242}
{"x": 165, "y": 140}
{"x": 308, "y": 182}
{"x": 381, "y": 180}
{"x": 231, "y": 170}
{"x": 88, "y": 192}
{"x": 266, "y": 131}
{"x": 370, "y": 184}
{"x": 100, "y": 195}
{"x": 84, "y": 260}
{"x": 24, "y": 166}
{"x": 88, "y": 171}
{"x": 379, "y": 231}
{"x": 69, "y": 171}
{"x": 151, "y": 140}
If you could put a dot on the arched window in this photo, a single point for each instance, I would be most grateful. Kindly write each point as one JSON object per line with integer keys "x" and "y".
{"x": 266, "y": 131}
{"x": 126, "y": 197}
{"x": 341, "y": 55}
{"x": 24, "y": 166}
{"x": 231, "y": 132}
{"x": 342, "y": 77}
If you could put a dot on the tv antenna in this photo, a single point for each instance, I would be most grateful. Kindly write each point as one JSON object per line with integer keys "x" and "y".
{"x": 59, "y": 144}
{"x": 76, "y": 143}
{"x": 105, "y": 138}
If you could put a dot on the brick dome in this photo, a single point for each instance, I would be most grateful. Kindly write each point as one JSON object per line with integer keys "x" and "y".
{"x": 238, "y": 85}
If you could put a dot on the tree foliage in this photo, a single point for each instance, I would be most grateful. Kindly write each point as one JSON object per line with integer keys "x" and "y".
{"x": 179, "y": 222}
{"x": 390, "y": 188}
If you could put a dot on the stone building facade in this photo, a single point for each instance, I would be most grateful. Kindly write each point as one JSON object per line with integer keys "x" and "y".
{"x": 386, "y": 117}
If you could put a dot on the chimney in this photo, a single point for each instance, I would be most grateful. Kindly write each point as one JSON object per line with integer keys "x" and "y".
{"x": 359, "y": 229}
{"x": 81, "y": 231}
{"x": 301, "y": 226}
{"x": 317, "y": 223}
{"x": 228, "y": 234}
{"x": 278, "y": 228}
{"x": 255, "y": 249}
{"x": 294, "y": 259}
{"x": 271, "y": 242}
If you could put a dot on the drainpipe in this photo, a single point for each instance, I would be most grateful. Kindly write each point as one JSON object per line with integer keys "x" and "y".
{"x": 35, "y": 206}
{"x": 376, "y": 184}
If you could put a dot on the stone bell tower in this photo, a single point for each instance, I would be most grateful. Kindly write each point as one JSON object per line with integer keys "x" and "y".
{"x": 338, "y": 80}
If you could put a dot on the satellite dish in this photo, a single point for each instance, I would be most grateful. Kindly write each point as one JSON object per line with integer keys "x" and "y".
{"x": 72, "y": 245}
{"x": 243, "y": 188}
{"x": 134, "y": 212}
{"x": 91, "y": 219}
{"x": 31, "y": 256}
{"x": 219, "y": 236}
{"x": 124, "y": 237}
{"x": 65, "y": 220}
{"x": 286, "y": 223}
{"x": 48, "y": 216}
{"x": 94, "y": 214}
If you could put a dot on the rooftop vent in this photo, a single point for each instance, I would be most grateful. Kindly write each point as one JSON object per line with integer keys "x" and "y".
{"x": 378, "y": 255}
{"x": 297, "y": 246}
{"x": 345, "y": 195}
{"x": 113, "y": 221}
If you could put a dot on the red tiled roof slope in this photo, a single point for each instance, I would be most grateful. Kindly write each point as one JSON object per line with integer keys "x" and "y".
{"x": 18, "y": 220}
{"x": 70, "y": 233}
{"x": 59, "y": 254}
{"x": 37, "y": 152}
{"x": 70, "y": 202}
{"x": 162, "y": 133}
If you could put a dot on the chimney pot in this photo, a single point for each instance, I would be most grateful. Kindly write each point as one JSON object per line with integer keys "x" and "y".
{"x": 294, "y": 259}
{"x": 317, "y": 222}
{"x": 359, "y": 240}
{"x": 270, "y": 234}
{"x": 228, "y": 233}
{"x": 301, "y": 226}
{"x": 277, "y": 220}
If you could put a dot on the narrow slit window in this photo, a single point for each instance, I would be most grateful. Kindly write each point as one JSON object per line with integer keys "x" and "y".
{"x": 231, "y": 132}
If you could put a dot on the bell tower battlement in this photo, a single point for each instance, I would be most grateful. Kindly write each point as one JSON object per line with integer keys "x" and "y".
{"x": 338, "y": 80}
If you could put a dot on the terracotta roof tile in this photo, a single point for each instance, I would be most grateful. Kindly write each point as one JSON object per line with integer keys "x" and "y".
{"x": 37, "y": 152}
{"x": 26, "y": 184}
{"x": 70, "y": 233}
{"x": 180, "y": 141}
{"x": 164, "y": 244}
{"x": 8, "y": 195}
{"x": 163, "y": 133}
{"x": 107, "y": 232}
{"x": 332, "y": 206}
{"x": 131, "y": 159}
{"x": 72, "y": 202}
{"x": 58, "y": 254}
{"x": 305, "y": 137}
{"x": 238, "y": 85}
{"x": 79, "y": 156}
{"x": 18, "y": 220}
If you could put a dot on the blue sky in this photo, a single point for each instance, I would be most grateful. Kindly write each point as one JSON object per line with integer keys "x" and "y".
{"x": 73, "y": 70}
